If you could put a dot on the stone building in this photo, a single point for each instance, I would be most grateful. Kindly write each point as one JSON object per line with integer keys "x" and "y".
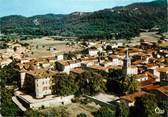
{"x": 38, "y": 82}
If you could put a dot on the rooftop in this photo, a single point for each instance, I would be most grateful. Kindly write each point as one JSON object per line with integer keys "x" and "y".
{"x": 68, "y": 62}
{"x": 96, "y": 67}
{"x": 147, "y": 83}
{"x": 78, "y": 70}
{"x": 131, "y": 97}
{"x": 151, "y": 87}
{"x": 163, "y": 89}
{"x": 139, "y": 76}
{"x": 164, "y": 69}
{"x": 41, "y": 73}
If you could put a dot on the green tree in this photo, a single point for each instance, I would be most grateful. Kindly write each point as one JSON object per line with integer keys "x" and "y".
{"x": 129, "y": 84}
{"x": 82, "y": 115}
{"x": 66, "y": 85}
{"x": 145, "y": 106}
{"x": 50, "y": 112}
{"x": 122, "y": 110}
{"x": 163, "y": 104}
{"x": 8, "y": 108}
{"x": 91, "y": 83}
{"x": 105, "y": 111}
{"x": 8, "y": 76}
{"x": 113, "y": 81}
{"x": 33, "y": 113}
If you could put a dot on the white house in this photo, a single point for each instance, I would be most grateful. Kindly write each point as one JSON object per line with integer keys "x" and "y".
{"x": 141, "y": 77}
{"x": 67, "y": 66}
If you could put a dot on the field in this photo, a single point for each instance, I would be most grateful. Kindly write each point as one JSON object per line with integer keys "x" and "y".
{"x": 147, "y": 36}
{"x": 46, "y": 46}
{"x": 41, "y": 47}
{"x": 74, "y": 109}
{"x": 163, "y": 45}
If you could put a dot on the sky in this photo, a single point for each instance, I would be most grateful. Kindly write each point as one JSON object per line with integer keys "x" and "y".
{"x": 38, "y": 7}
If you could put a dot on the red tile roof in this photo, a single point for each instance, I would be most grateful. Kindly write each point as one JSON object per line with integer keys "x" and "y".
{"x": 131, "y": 97}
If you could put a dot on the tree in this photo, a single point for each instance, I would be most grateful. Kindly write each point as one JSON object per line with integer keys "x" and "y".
{"x": 8, "y": 76}
{"x": 145, "y": 106}
{"x": 8, "y": 108}
{"x": 91, "y": 83}
{"x": 51, "y": 112}
{"x": 163, "y": 104}
{"x": 105, "y": 111}
{"x": 33, "y": 113}
{"x": 82, "y": 115}
{"x": 122, "y": 110}
{"x": 65, "y": 85}
{"x": 113, "y": 81}
{"x": 109, "y": 48}
{"x": 129, "y": 84}
{"x": 115, "y": 74}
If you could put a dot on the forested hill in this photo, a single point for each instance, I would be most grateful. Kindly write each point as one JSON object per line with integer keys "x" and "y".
{"x": 121, "y": 22}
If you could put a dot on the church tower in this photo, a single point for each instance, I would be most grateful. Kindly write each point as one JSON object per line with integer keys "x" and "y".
{"x": 126, "y": 63}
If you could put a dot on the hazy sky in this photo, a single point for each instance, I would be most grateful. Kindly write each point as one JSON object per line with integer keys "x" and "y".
{"x": 34, "y": 7}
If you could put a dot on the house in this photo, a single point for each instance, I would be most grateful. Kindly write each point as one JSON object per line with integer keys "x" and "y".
{"x": 163, "y": 73}
{"x": 93, "y": 51}
{"x": 152, "y": 68}
{"x": 115, "y": 59}
{"x": 38, "y": 82}
{"x": 59, "y": 57}
{"x": 24, "y": 60}
{"x": 67, "y": 65}
{"x": 141, "y": 77}
{"x": 116, "y": 45}
{"x": 106, "y": 63}
{"x": 161, "y": 91}
{"x": 88, "y": 61}
{"x": 98, "y": 68}
{"x": 90, "y": 44}
{"x": 42, "y": 63}
{"x": 77, "y": 71}
{"x": 130, "y": 99}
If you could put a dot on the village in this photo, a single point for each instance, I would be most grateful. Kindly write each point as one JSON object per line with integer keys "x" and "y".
{"x": 146, "y": 60}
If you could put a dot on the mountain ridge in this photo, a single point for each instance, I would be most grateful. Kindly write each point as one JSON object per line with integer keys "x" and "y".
{"x": 106, "y": 23}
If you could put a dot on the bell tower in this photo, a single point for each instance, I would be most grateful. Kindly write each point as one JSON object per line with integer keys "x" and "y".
{"x": 126, "y": 63}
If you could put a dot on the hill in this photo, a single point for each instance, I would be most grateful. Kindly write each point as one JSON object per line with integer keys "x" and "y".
{"x": 121, "y": 22}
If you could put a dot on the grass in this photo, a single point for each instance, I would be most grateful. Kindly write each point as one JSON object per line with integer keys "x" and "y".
{"x": 74, "y": 109}
{"x": 163, "y": 44}
{"x": 77, "y": 108}
{"x": 40, "y": 46}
